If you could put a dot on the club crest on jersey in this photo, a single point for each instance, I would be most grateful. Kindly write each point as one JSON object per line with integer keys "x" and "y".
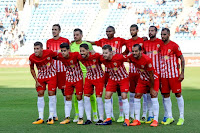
{"x": 115, "y": 64}
{"x": 155, "y": 52}
{"x": 94, "y": 60}
{"x": 158, "y": 45}
{"x": 115, "y": 68}
{"x": 48, "y": 64}
{"x": 169, "y": 50}
{"x": 72, "y": 66}
{"x": 93, "y": 66}
{"x": 113, "y": 49}
{"x": 116, "y": 42}
{"x": 142, "y": 66}
{"x": 141, "y": 70}
{"x": 71, "y": 61}
{"x": 48, "y": 58}
{"x": 150, "y": 65}
{"x": 166, "y": 57}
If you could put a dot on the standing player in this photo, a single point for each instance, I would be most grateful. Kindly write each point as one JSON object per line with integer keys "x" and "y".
{"x": 54, "y": 44}
{"x": 116, "y": 43}
{"x": 118, "y": 79}
{"x": 133, "y": 73}
{"x": 75, "y": 47}
{"x": 152, "y": 49}
{"x": 74, "y": 78}
{"x": 148, "y": 81}
{"x": 46, "y": 76}
{"x": 94, "y": 78}
{"x": 171, "y": 78}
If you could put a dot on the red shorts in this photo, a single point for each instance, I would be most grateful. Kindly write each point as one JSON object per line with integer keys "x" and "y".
{"x": 122, "y": 84}
{"x": 69, "y": 90}
{"x": 51, "y": 82}
{"x": 133, "y": 80}
{"x": 168, "y": 84}
{"x": 144, "y": 86}
{"x": 106, "y": 75}
{"x": 90, "y": 84}
{"x": 61, "y": 79}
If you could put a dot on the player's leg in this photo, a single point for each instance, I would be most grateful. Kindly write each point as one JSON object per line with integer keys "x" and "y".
{"x": 124, "y": 87}
{"x": 40, "y": 105}
{"x": 99, "y": 85}
{"x": 144, "y": 108}
{"x": 175, "y": 85}
{"x": 155, "y": 104}
{"x": 79, "y": 93}
{"x": 68, "y": 92}
{"x": 150, "y": 109}
{"x": 121, "y": 114}
{"x": 93, "y": 102}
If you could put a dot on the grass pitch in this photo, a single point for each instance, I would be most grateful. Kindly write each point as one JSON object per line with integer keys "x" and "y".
{"x": 18, "y": 107}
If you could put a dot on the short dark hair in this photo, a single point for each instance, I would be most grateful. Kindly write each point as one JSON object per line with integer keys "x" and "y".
{"x": 111, "y": 27}
{"x": 107, "y": 47}
{"x": 139, "y": 46}
{"x": 64, "y": 45}
{"x": 156, "y": 29}
{"x": 167, "y": 29}
{"x": 77, "y": 29}
{"x": 134, "y": 25}
{"x": 85, "y": 46}
{"x": 58, "y": 26}
{"x": 38, "y": 44}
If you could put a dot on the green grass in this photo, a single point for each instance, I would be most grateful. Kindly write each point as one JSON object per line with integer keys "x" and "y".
{"x": 18, "y": 107}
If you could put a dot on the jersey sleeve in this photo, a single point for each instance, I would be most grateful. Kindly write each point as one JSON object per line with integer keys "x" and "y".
{"x": 90, "y": 46}
{"x": 149, "y": 65}
{"x": 177, "y": 50}
{"x": 123, "y": 42}
{"x": 123, "y": 58}
{"x": 99, "y": 43}
{"x": 53, "y": 54}
{"x": 48, "y": 44}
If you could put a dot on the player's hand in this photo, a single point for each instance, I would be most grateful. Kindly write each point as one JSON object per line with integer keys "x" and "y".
{"x": 38, "y": 84}
{"x": 153, "y": 92}
{"x": 92, "y": 52}
{"x": 181, "y": 77}
{"x": 144, "y": 38}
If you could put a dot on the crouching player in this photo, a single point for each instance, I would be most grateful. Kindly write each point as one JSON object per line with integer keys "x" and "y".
{"x": 46, "y": 76}
{"x": 94, "y": 78}
{"x": 118, "y": 78}
{"x": 148, "y": 81}
{"x": 74, "y": 79}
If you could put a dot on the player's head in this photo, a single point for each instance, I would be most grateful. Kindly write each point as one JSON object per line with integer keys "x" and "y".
{"x": 56, "y": 30}
{"x": 78, "y": 34}
{"x": 38, "y": 48}
{"x": 134, "y": 30}
{"x": 110, "y": 31}
{"x": 64, "y": 49}
{"x": 84, "y": 50}
{"x": 165, "y": 34}
{"x": 107, "y": 52}
{"x": 152, "y": 31}
{"x": 136, "y": 50}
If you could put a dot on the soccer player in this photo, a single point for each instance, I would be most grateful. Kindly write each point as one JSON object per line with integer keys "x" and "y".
{"x": 116, "y": 43}
{"x": 75, "y": 47}
{"x": 74, "y": 79}
{"x": 94, "y": 78}
{"x": 171, "y": 78}
{"x": 152, "y": 49}
{"x": 118, "y": 78}
{"x": 134, "y": 74}
{"x": 46, "y": 76}
{"x": 149, "y": 81}
{"x": 54, "y": 44}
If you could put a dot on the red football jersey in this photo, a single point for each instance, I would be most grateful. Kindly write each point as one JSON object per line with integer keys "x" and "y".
{"x": 116, "y": 68}
{"x": 169, "y": 60}
{"x": 129, "y": 45}
{"x": 54, "y": 45}
{"x": 45, "y": 66}
{"x": 93, "y": 66}
{"x": 152, "y": 49}
{"x": 72, "y": 65}
{"x": 144, "y": 65}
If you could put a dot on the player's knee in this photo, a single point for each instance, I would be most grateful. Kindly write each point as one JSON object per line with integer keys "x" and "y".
{"x": 166, "y": 95}
{"x": 79, "y": 97}
{"x": 124, "y": 95}
{"x": 68, "y": 98}
{"x": 107, "y": 97}
{"x": 178, "y": 94}
{"x": 40, "y": 93}
{"x": 51, "y": 93}
{"x": 138, "y": 95}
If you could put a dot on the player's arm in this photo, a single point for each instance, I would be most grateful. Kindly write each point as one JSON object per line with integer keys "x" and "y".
{"x": 37, "y": 84}
{"x": 182, "y": 68}
{"x": 93, "y": 43}
{"x": 126, "y": 52}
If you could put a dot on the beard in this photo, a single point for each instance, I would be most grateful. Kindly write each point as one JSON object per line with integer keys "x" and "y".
{"x": 153, "y": 36}
{"x": 134, "y": 35}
